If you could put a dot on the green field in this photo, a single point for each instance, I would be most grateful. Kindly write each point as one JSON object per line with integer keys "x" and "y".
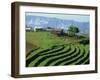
{"x": 46, "y": 49}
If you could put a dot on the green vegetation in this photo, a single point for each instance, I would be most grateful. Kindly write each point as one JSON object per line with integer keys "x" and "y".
{"x": 69, "y": 54}
{"x": 72, "y": 30}
{"x": 45, "y": 48}
{"x": 43, "y": 39}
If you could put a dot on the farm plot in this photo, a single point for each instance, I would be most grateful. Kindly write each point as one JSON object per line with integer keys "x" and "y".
{"x": 58, "y": 55}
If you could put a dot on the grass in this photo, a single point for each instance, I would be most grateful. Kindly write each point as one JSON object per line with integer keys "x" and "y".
{"x": 43, "y": 39}
{"x": 46, "y": 39}
{"x": 47, "y": 49}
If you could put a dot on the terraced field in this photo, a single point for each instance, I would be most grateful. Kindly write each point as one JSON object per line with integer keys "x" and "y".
{"x": 58, "y": 55}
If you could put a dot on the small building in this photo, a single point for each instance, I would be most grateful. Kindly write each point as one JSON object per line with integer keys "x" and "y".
{"x": 38, "y": 28}
{"x": 28, "y": 28}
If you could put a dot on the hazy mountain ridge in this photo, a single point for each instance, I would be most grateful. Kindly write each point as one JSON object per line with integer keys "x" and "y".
{"x": 55, "y": 23}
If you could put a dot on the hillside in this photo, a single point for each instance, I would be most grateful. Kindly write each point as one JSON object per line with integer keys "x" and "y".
{"x": 47, "y": 49}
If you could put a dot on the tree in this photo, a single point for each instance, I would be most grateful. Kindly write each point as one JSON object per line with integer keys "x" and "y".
{"x": 72, "y": 30}
{"x": 62, "y": 32}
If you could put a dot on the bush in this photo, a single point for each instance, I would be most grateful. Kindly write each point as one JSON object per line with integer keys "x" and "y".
{"x": 81, "y": 36}
{"x": 40, "y": 29}
{"x": 84, "y": 41}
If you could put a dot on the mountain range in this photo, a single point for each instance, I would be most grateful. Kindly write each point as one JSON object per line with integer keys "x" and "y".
{"x": 54, "y": 22}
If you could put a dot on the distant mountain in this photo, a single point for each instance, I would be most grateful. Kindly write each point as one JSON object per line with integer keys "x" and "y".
{"x": 55, "y": 23}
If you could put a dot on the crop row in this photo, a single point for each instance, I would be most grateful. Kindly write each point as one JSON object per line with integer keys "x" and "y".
{"x": 58, "y": 55}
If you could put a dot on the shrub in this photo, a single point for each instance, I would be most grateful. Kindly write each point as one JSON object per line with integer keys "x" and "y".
{"x": 84, "y": 41}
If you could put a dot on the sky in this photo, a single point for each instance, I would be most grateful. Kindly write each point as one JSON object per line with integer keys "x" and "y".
{"x": 75, "y": 17}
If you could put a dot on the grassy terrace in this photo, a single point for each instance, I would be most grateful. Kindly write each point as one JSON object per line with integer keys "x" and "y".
{"x": 43, "y": 39}
{"x": 46, "y": 49}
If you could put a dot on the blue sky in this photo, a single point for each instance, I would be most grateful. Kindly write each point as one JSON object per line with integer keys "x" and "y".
{"x": 75, "y": 17}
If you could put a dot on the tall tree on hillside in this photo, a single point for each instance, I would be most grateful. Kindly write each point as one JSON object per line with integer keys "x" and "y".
{"x": 72, "y": 30}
